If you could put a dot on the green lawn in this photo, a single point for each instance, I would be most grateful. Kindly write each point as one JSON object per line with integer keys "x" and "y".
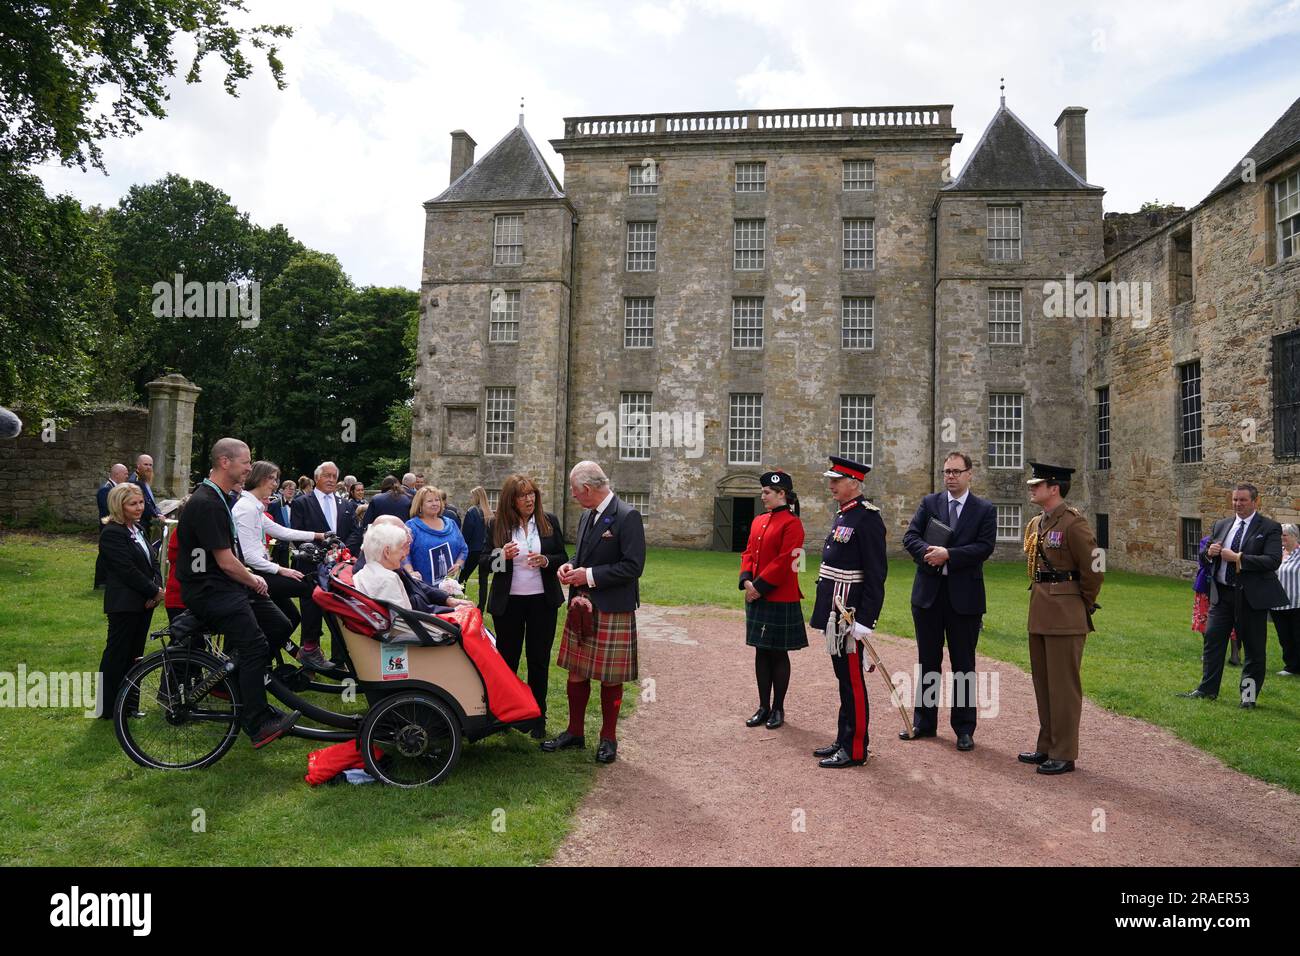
{"x": 72, "y": 797}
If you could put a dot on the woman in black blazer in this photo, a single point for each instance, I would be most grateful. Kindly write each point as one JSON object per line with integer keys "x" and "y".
{"x": 524, "y": 549}
{"x": 132, "y": 589}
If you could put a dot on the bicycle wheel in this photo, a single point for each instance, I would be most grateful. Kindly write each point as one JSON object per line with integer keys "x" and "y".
{"x": 162, "y": 725}
{"x": 419, "y": 738}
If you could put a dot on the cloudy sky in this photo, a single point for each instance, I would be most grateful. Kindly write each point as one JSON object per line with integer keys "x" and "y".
{"x": 1176, "y": 93}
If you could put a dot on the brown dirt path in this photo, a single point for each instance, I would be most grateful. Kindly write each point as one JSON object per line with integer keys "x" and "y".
{"x": 694, "y": 786}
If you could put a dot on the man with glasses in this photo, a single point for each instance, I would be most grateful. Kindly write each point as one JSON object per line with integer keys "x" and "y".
{"x": 951, "y": 535}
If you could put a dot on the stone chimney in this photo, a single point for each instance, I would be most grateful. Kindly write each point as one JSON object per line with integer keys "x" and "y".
{"x": 462, "y": 153}
{"x": 1071, "y": 145}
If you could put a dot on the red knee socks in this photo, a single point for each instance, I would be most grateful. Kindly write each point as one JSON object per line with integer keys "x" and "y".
{"x": 611, "y": 699}
{"x": 579, "y": 692}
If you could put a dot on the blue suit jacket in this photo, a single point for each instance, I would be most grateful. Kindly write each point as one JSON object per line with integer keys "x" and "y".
{"x": 972, "y": 542}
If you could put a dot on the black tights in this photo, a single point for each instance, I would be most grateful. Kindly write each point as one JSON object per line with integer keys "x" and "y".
{"x": 772, "y": 668}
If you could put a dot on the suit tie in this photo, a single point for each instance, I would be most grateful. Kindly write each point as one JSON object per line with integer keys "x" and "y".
{"x": 954, "y": 512}
{"x": 586, "y": 544}
{"x": 1230, "y": 572}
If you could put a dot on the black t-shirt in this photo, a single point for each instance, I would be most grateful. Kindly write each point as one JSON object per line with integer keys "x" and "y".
{"x": 206, "y": 526}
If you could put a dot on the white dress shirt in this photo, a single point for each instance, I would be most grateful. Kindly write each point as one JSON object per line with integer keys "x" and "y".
{"x": 330, "y": 505}
{"x": 961, "y": 506}
{"x": 1221, "y": 577}
{"x": 253, "y": 524}
{"x": 591, "y": 529}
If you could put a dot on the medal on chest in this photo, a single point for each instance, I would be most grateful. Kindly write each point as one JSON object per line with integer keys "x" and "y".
{"x": 1053, "y": 539}
{"x": 842, "y": 534}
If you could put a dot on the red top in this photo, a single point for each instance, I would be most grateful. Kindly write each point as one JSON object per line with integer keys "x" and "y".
{"x": 173, "y": 596}
{"x": 770, "y": 559}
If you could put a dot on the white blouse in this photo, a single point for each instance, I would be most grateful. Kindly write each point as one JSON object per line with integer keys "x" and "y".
{"x": 523, "y": 579}
{"x": 254, "y": 524}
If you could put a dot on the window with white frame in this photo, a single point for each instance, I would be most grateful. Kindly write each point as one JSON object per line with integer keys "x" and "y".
{"x": 859, "y": 175}
{"x": 751, "y": 177}
{"x": 750, "y": 239}
{"x": 1004, "y": 233}
{"x": 1006, "y": 431}
{"x": 507, "y": 240}
{"x": 637, "y": 500}
{"x": 639, "y": 322}
{"x": 1286, "y": 205}
{"x": 1009, "y": 523}
{"x": 503, "y": 323}
{"x": 857, "y": 322}
{"x": 1004, "y": 317}
{"x": 745, "y": 430}
{"x": 642, "y": 239}
{"x": 643, "y": 179}
{"x": 494, "y": 498}
{"x": 634, "y": 426}
{"x": 859, "y": 243}
{"x": 499, "y": 430}
{"x": 857, "y": 427}
{"x": 747, "y": 322}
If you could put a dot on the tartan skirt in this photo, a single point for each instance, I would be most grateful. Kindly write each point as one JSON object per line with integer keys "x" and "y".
{"x": 600, "y": 646}
{"x": 775, "y": 625}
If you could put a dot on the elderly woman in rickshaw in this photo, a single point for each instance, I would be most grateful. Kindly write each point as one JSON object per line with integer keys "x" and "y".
{"x": 385, "y": 547}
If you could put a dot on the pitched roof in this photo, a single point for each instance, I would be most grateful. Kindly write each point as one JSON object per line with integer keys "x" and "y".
{"x": 1010, "y": 156}
{"x": 1281, "y": 138}
{"x": 513, "y": 169}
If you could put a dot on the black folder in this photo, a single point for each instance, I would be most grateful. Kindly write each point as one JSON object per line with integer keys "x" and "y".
{"x": 937, "y": 533}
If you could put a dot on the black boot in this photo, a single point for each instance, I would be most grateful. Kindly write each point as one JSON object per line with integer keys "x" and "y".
{"x": 759, "y": 718}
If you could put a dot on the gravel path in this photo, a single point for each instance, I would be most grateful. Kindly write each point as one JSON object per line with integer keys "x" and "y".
{"x": 694, "y": 786}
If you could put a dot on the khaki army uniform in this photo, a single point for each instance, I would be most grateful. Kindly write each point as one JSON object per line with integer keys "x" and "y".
{"x": 1064, "y": 583}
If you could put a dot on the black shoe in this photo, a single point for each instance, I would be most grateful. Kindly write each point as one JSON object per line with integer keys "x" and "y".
{"x": 760, "y": 717}
{"x": 1247, "y": 705}
{"x": 564, "y": 739}
{"x": 916, "y": 734}
{"x": 830, "y": 750}
{"x": 841, "y": 758}
{"x": 1050, "y": 767}
{"x": 1032, "y": 756}
{"x": 965, "y": 742}
{"x": 1198, "y": 695}
{"x": 273, "y": 728}
{"x": 776, "y": 720}
{"x": 607, "y": 751}
{"x": 538, "y": 731}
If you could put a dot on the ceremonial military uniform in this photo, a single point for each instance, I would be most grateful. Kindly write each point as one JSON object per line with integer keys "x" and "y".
{"x": 1064, "y": 581}
{"x": 853, "y": 568}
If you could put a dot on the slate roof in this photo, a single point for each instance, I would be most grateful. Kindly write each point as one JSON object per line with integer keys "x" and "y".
{"x": 511, "y": 170}
{"x": 1010, "y": 156}
{"x": 1281, "y": 138}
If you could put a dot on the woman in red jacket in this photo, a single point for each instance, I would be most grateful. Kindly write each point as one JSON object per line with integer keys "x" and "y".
{"x": 769, "y": 576}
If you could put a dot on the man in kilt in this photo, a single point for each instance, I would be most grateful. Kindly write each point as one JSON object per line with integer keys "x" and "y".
{"x": 853, "y": 568}
{"x": 769, "y": 576}
{"x": 599, "y": 640}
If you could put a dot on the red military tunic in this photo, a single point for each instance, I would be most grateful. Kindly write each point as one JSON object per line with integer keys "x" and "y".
{"x": 770, "y": 560}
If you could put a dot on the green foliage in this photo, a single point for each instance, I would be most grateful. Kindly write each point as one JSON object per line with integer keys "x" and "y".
{"x": 57, "y": 58}
{"x": 55, "y": 298}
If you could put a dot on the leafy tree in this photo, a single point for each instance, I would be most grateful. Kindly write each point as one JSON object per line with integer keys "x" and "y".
{"x": 57, "y": 55}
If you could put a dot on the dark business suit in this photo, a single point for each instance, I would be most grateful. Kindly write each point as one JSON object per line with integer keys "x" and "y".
{"x": 949, "y": 604}
{"x": 101, "y": 499}
{"x": 385, "y": 503}
{"x": 615, "y": 552}
{"x": 282, "y": 515}
{"x": 150, "y": 506}
{"x": 306, "y": 515}
{"x": 131, "y": 577}
{"x": 527, "y": 620}
{"x": 1243, "y": 603}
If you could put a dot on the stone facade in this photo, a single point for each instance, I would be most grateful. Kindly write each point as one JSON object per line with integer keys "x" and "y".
{"x": 1242, "y": 298}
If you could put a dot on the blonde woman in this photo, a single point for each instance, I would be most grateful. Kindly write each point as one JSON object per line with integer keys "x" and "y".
{"x": 438, "y": 549}
{"x": 133, "y": 587}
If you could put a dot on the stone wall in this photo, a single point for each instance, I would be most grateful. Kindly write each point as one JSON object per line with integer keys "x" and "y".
{"x": 1242, "y": 298}
{"x": 67, "y": 472}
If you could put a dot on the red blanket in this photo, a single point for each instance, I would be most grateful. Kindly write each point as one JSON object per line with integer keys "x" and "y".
{"x": 508, "y": 698}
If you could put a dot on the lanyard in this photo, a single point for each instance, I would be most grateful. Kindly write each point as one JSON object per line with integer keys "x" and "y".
{"x": 234, "y": 534}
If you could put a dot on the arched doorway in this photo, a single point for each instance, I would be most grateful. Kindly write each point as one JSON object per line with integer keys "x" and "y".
{"x": 735, "y": 504}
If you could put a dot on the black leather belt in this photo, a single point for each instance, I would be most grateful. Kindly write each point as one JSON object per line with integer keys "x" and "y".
{"x": 1055, "y": 577}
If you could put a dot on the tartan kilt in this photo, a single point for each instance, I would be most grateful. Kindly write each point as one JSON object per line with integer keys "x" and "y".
{"x": 605, "y": 652}
{"x": 775, "y": 625}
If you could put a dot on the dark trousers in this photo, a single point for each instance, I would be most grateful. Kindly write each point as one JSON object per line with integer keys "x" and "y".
{"x": 174, "y": 612}
{"x": 855, "y": 712}
{"x": 963, "y": 632}
{"x": 528, "y": 622}
{"x": 312, "y": 616}
{"x": 283, "y": 590}
{"x": 127, "y": 632}
{"x": 1288, "y": 635}
{"x": 471, "y": 563}
{"x": 1251, "y": 625}
{"x": 248, "y": 622}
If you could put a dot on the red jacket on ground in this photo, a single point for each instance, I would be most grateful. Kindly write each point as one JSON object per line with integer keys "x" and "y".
{"x": 770, "y": 560}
